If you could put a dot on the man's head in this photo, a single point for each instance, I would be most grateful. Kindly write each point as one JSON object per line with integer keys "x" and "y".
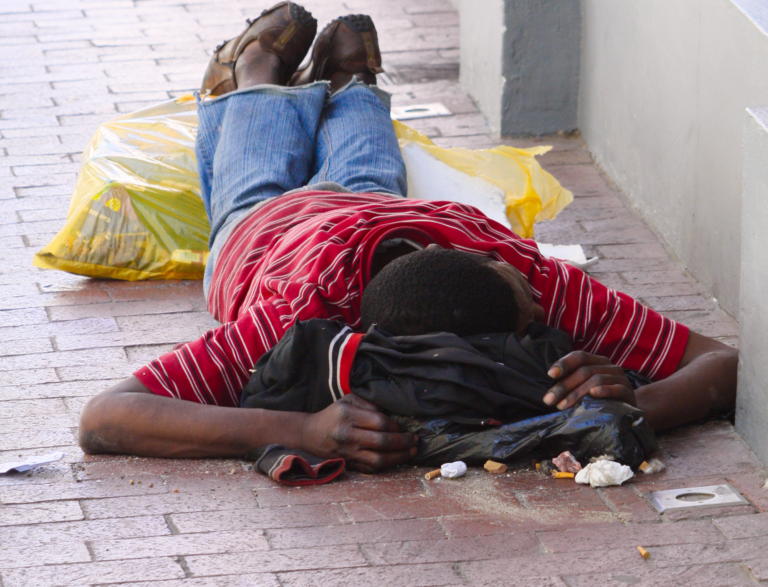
{"x": 442, "y": 290}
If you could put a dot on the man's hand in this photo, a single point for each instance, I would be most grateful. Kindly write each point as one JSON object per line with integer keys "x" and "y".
{"x": 356, "y": 430}
{"x": 579, "y": 374}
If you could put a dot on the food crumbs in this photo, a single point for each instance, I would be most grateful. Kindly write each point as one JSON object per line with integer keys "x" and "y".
{"x": 175, "y": 490}
{"x": 151, "y": 484}
{"x": 563, "y": 475}
{"x": 131, "y": 481}
{"x": 494, "y": 467}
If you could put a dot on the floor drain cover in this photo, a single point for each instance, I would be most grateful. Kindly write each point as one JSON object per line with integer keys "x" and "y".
{"x": 694, "y": 497}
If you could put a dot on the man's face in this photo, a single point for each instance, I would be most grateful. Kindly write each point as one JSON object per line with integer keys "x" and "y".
{"x": 529, "y": 310}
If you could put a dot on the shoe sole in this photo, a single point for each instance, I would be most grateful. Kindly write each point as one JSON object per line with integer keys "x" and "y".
{"x": 302, "y": 15}
{"x": 360, "y": 23}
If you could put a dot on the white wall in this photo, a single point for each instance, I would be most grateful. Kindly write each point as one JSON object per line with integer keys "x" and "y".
{"x": 481, "y": 40}
{"x": 752, "y": 397}
{"x": 664, "y": 85}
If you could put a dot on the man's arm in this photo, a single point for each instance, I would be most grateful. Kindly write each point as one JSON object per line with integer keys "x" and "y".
{"x": 130, "y": 419}
{"x": 704, "y": 384}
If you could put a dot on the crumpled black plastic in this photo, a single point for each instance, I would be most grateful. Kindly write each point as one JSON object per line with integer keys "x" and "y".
{"x": 590, "y": 429}
{"x": 452, "y": 392}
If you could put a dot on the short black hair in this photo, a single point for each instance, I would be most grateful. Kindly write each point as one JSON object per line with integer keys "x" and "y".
{"x": 439, "y": 290}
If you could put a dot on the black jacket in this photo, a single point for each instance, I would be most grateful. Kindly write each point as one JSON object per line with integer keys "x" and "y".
{"x": 485, "y": 377}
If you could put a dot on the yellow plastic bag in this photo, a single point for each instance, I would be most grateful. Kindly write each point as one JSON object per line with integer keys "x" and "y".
{"x": 136, "y": 211}
{"x": 527, "y": 193}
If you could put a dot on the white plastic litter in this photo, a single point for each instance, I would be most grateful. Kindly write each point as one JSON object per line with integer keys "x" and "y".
{"x": 453, "y": 470}
{"x": 431, "y": 179}
{"x": 604, "y": 474}
{"x": 654, "y": 466}
{"x": 571, "y": 254}
{"x": 31, "y": 462}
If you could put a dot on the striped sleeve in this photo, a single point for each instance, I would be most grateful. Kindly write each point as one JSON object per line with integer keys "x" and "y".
{"x": 606, "y": 322}
{"x": 600, "y": 320}
{"x": 214, "y": 368}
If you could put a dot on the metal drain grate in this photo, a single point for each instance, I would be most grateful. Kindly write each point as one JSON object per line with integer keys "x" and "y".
{"x": 694, "y": 497}
{"x": 420, "y": 111}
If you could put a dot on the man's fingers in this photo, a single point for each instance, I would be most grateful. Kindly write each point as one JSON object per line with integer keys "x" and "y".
{"x": 381, "y": 460}
{"x": 370, "y": 420}
{"x": 614, "y": 387}
{"x": 383, "y": 441}
{"x": 572, "y": 361}
{"x": 577, "y": 378}
{"x": 619, "y": 392}
{"x": 356, "y": 400}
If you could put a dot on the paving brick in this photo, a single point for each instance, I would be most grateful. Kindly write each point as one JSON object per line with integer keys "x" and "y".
{"x": 97, "y": 372}
{"x": 270, "y": 518}
{"x": 725, "y": 552}
{"x": 160, "y": 335}
{"x": 94, "y": 572}
{"x": 190, "y": 544}
{"x": 42, "y": 407}
{"x": 14, "y": 557}
{"x": 340, "y": 492}
{"x": 250, "y": 580}
{"x": 48, "y": 533}
{"x": 700, "y": 457}
{"x": 611, "y": 536}
{"x": 102, "y": 310}
{"x": 36, "y": 439}
{"x": 632, "y": 251}
{"x": 29, "y": 377}
{"x": 335, "y": 557}
{"x": 384, "y": 531}
{"x": 63, "y": 359}
{"x": 624, "y": 560}
{"x": 411, "y": 575}
{"x": 498, "y": 523}
{"x": 642, "y": 291}
{"x": 54, "y": 390}
{"x": 55, "y": 299}
{"x": 687, "y": 576}
{"x": 403, "y": 509}
{"x": 712, "y": 324}
{"x": 629, "y": 506}
{"x": 170, "y": 503}
{"x": 53, "y": 422}
{"x": 454, "y": 550}
{"x": 143, "y": 486}
{"x": 751, "y": 485}
{"x": 757, "y": 568}
{"x": 25, "y": 347}
{"x": 19, "y": 515}
{"x": 92, "y": 326}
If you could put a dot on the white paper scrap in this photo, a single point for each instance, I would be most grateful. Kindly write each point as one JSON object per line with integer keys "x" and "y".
{"x": 453, "y": 470}
{"x": 31, "y": 462}
{"x": 571, "y": 254}
{"x": 604, "y": 474}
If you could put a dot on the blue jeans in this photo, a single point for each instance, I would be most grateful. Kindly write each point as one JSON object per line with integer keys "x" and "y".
{"x": 264, "y": 141}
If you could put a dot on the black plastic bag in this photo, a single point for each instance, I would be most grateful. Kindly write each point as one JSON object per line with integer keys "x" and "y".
{"x": 591, "y": 429}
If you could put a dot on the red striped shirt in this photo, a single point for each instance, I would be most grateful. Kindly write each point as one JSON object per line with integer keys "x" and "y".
{"x": 308, "y": 255}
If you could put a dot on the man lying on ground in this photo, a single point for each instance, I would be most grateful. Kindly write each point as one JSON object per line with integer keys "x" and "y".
{"x": 303, "y": 183}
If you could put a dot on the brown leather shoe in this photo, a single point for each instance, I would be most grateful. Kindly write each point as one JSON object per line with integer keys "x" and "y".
{"x": 347, "y": 48}
{"x": 285, "y": 30}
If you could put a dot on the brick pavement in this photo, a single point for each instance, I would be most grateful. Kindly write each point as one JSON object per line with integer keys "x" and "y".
{"x": 67, "y": 65}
